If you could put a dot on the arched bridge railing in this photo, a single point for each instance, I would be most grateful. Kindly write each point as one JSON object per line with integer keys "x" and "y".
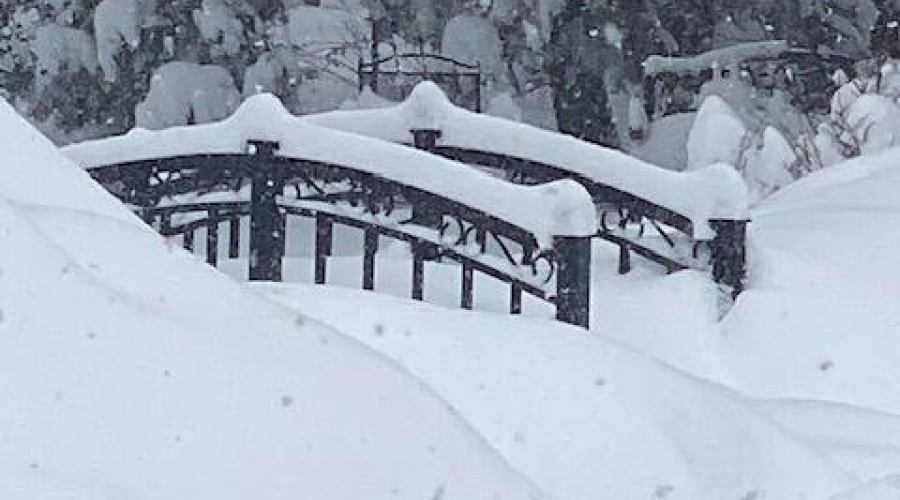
{"x": 215, "y": 194}
{"x": 676, "y": 220}
{"x": 624, "y": 219}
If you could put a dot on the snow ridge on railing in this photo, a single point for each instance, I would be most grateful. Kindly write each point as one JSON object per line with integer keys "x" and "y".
{"x": 560, "y": 208}
{"x": 716, "y": 192}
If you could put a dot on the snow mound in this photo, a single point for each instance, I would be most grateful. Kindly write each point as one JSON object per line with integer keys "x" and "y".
{"x": 120, "y": 378}
{"x": 580, "y": 415}
{"x": 562, "y": 208}
{"x": 700, "y": 195}
{"x": 820, "y": 313}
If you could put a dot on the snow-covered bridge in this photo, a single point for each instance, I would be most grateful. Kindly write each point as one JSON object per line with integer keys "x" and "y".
{"x": 262, "y": 168}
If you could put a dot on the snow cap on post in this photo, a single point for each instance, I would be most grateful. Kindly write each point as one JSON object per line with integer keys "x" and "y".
{"x": 427, "y": 107}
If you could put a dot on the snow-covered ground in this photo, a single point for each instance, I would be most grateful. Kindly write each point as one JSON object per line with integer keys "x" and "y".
{"x": 130, "y": 370}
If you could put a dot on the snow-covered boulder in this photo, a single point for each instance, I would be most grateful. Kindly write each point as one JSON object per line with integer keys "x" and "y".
{"x": 182, "y": 93}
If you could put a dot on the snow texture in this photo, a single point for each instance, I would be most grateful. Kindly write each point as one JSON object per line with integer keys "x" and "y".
{"x": 624, "y": 426}
{"x": 561, "y": 208}
{"x": 121, "y": 379}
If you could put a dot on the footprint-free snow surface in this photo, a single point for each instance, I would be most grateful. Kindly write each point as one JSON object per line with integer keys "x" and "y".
{"x": 130, "y": 371}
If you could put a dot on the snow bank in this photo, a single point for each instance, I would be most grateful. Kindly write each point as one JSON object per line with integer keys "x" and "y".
{"x": 715, "y": 192}
{"x": 887, "y": 488}
{"x": 580, "y": 415}
{"x": 820, "y": 312}
{"x": 35, "y": 173}
{"x": 561, "y": 208}
{"x": 120, "y": 378}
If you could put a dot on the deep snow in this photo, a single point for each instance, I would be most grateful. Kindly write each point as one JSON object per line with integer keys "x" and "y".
{"x": 130, "y": 371}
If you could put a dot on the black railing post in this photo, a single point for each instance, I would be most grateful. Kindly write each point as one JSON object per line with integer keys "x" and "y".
{"x": 266, "y": 224}
{"x": 728, "y": 254}
{"x": 573, "y": 279}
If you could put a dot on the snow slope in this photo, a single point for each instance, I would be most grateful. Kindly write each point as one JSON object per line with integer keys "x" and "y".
{"x": 130, "y": 371}
{"x": 580, "y": 415}
{"x": 820, "y": 314}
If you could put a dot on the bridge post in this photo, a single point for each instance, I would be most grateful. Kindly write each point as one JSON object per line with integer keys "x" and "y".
{"x": 266, "y": 221}
{"x": 728, "y": 254}
{"x": 573, "y": 279}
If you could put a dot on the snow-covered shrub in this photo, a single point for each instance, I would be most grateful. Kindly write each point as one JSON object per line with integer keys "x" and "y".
{"x": 764, "y": 158}
{"x": 57, "y": 48}
{"x": 117, "y": 24}
{"x": 717, "y": 136}
{"x": 864, "y": 117}
{"x": 220, "y": 26}
{"x": 184, "y": 93}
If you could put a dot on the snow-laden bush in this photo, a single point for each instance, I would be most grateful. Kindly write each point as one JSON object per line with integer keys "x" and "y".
{"x": 56, "y": 47}
{"x": 764, "y": 158}
{"x": 117, "y": 24}
{"x": 185, "y": 93}
{"x": 864, "y": 117}
{"x": 717, "y": 135}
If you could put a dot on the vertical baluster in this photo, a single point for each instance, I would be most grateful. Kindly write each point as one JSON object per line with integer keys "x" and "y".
{"x": 212, "y": 237}
{"x": 468, "y": 286}
{"x": 188, "y": 242}
{"x": 624, "y": 259}
{"x": 370, "y": 248}
{"x": 234, "y": 236}
{"x": 515, "y": 299}
{"x": 324, "y": 230}
{"x": 420, "y": 253}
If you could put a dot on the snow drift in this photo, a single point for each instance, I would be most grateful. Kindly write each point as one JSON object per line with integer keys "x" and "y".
{"x": 130, "y": 370}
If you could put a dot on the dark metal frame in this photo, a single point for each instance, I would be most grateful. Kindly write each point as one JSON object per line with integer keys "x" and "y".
{"x": 624, "y": 218}
{"x": 435, "y": 227}
{"x": 375, "y": 76}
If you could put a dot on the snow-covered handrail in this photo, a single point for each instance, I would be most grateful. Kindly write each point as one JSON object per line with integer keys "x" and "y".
{"x": 443, "y": 208}
{"x": 719, "y": 58}
{"x": 561, "y": 208}
{"x": 717, "y": 192}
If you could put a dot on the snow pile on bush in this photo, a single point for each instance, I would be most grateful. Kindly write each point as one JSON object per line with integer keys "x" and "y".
{"x": 718, "y": 135}
{"x": 121, "y": 378}
{"x": 185, "y": 93}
